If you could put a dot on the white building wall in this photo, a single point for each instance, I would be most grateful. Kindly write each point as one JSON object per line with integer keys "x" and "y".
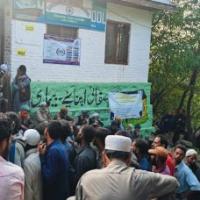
{"x": 92, "y": 67}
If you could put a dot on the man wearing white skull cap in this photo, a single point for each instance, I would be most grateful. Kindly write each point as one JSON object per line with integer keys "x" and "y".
{"x": 118, "y": 181}
{"x": 32, "y": 166}
{"x": 4, "y": 67}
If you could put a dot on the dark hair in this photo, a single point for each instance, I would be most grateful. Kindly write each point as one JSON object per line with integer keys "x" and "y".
{"x": 4, "y": 129}
{"x": 88, "y": 133}
{"x": 48, "y": 103}
{"x": 142, "y": 145}
{"x": 22, "y": 68}
{"x": 115, "y": 123}
{"x": 162, "y": 159}
{"x": 63, "y": 112}
{"x": 14, "y": 122}
{"x": 41, "y": 127}
{"x": 114, "y": 127}
{"x": 182, "y": 147}
{"x": 65, "y": 130}
{"x": 54, "y": 129}
{"x": 85, "y": 114}
{"x": 163, "y": 140}
{"x": 64, "y": 109}
{"x": 123, "y": 133}
{"x": 117, "y": 154}
{"x": 101, "y": 134}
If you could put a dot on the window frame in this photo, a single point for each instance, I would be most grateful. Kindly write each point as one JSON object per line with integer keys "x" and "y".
{"x": 61, "y": 33}
{"x": 115, "y": 60}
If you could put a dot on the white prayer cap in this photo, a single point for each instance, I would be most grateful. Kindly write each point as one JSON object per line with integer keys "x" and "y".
{"x": 71, "y": 198}
{"x": 43, "y": 104}
{"x": 118, "y": 143}
{"x": 32, "y": 137}
{"x": 190, "y": 152}
{"x": 4, "y": 67}
{"x": 95, "y": 115}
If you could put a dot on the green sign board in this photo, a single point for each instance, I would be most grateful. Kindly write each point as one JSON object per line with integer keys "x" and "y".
{"x": 91, "y": 97}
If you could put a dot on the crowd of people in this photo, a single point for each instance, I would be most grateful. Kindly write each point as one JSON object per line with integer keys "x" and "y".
{"x": 54, "y": 158}
{"x": 45, "y": 157}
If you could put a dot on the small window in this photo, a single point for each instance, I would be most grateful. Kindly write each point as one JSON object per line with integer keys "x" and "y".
{"x": 117, "y": 43}
{"x": 60, "y": 31}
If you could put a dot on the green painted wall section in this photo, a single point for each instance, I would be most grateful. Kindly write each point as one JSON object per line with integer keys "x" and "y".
{"x": 92, "y": 97}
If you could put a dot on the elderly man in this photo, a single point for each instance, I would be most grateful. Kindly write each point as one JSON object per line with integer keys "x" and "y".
{"x": 118, "y": 181}
{"x": 43, "y": 113}
{"x": 191, "y": 161}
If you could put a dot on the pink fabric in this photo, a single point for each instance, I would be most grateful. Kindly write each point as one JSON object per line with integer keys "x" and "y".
{"x": 11, "y": 181}
{"x": 166, "y": 171}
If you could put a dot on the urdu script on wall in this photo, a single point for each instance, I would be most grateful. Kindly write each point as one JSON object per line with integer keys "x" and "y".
{"x": 94, "y": 97}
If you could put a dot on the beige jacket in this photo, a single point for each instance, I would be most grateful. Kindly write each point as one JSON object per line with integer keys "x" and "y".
{"x": 33, "y": 177}
{"x": 119, "y": 182}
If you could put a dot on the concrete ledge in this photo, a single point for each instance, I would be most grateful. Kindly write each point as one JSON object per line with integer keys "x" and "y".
{"x": 145, "y": 4}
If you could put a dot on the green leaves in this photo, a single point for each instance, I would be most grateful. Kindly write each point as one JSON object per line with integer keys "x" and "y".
{"x": 175, "y": 53}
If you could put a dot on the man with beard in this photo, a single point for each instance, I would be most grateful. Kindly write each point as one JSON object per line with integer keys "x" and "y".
{"x": 161, "y": 141}
{"x": 32, "y": 166}
{"x": 11, "y": 176}
{"x": 191, "y": 162}
{"x": 54, "y": 164}
{"x": 189, "y": 185}
{"x": 86, "y": 156}
{"x": 118, "y": 181}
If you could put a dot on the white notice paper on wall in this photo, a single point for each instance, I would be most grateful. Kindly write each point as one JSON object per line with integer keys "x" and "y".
{"x": 126, "y": 106}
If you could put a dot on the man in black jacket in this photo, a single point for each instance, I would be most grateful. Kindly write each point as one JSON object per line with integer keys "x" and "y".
{"x": 86, "y": 156}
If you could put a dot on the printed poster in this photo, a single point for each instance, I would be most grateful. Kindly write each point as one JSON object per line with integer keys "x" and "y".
{"x": 126, "y": 105}
{"x": 88, "y": 14}
{"x": 61, "y": 51}
{"x": 29, "y": 10}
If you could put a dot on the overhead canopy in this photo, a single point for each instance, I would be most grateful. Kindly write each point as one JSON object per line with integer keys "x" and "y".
{"x": 145, "y": 4}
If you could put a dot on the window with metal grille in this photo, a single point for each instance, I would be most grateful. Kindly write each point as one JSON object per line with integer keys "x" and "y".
{"x": 60, "y": 31}
{"x": 117, "y": 43}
